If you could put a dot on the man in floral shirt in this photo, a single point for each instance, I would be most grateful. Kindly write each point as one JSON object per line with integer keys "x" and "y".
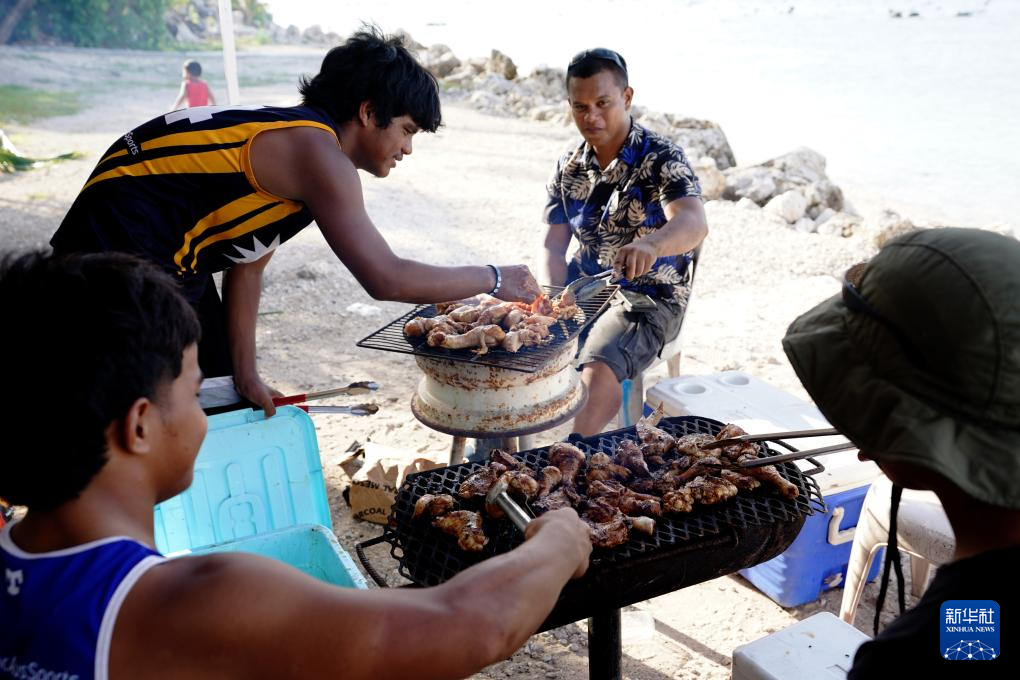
{"x": 633, "y": 203}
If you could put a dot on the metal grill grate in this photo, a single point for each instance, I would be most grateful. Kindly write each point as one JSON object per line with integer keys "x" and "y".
{"x": 428, "y": 557}
{"x": 391, "y": 338}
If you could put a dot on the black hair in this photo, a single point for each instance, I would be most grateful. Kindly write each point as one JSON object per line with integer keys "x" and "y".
{"x": 590, "y": 62}
{"x": 380, "y": 70}
{"x": 85, "y": 336}
{"x": 193, "y": 68}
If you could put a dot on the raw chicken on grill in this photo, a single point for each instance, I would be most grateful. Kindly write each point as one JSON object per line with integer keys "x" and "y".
{"x": 466, "y": 525}
{"x": 509, "y": 325}
{"x": 433, "y": 505}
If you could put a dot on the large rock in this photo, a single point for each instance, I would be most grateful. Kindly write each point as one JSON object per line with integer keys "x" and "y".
{"x": 501, "y": 64}
{"x": 755, "y": 183}
{"x": 790, "y": 205}
{"x": 712, "y": 181}
{"x": 887, "y": 226}
{"x": 440, "y": 60}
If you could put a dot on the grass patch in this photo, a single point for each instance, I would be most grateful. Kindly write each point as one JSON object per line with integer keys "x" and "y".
{"x": 19, "y": 104}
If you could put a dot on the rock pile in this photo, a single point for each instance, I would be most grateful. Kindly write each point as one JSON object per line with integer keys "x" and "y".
{"x": 197, "y": 21}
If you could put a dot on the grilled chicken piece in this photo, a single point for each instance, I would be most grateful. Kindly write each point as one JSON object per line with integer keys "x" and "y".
{"x": 678, "y": 500}
{"x": 653, "y": 440}
{"x": 702, "y": 466}
{"x": 602, "y": 468}
{"x": 506, "y": 459}
{"x": 711, "y": 490}
{"x": 568, "y": 458}
{"x": 769, "y": 473}
{"x": 514, "y": 317}
{"x": 495, "y": 313}
{"x": 466, "y": 525}
{"x": 628, "y": 501}
{"x": 690, "y": 444}
{"x": 548, "y": 479}
{"x": 735, "y": 451}
{"x": 433, "y": 505}
{"x": 540, "y": 322}
{"x": 741, "y": 480}
{"x": 645, "y": 525}
{"x": 628, "y": 454}
{"x": 563, "y": 497}
{"x": 478, "y": 483}
{"x": 523, "y": 482}
{"x": 480, "y": 337}
{"x": 607, "y": 526}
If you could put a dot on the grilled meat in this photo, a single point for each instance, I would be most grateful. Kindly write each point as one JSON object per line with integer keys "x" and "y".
{"x": 628, "y": 454}
{"x": 523, "y": 483}
{"x": 769, "y": 473}
{"x": 678, "y": 500}
{"x": 653, "y": 440}
{"x": 741, "y": 480}
{"x": 506, "y": 459}
{"x": 568, "y": 458}
{"x": 548, "y": 479}
{"x": 602, "y": 468}
{"x": 690, "y": 444}
{"x": 710, "y": 490}
{"x": 433, "y": 505}
{"x": 466, "y": 526}
{"x": 480, "y": 337}
{"x": 607, "y": 526}
{"x": 562, "y": 497}
{"x": 478, "y": 483}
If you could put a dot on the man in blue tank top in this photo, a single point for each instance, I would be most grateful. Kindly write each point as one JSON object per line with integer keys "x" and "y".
{"x": 84, "y": 595}
{"x": 219, "y": 188}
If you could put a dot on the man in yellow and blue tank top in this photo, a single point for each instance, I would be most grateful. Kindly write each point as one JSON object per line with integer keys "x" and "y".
{"x": 218, "y": 189}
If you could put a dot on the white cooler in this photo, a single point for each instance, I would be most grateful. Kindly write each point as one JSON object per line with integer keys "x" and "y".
{"x": 819, "y": 647}
{"x": 817, "y": 559}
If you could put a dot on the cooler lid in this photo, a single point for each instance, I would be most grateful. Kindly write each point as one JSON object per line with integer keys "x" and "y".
{"x": 252, "y": 475}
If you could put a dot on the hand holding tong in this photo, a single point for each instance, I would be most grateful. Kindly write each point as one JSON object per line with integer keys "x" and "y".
{"x": 500, "y": 498}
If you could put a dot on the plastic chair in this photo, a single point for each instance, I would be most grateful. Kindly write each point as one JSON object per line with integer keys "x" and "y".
{"x": 923, "y": 532}
{"x": 633, "y": 401}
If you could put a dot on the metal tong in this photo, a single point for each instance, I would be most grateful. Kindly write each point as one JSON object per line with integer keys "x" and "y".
{"x": 500, "y": 498}
{"x": 363, "y": 387}
{"x": 588, "y": 286}
{"x": 356, "y": 410}
{"x": 780, "y": 437}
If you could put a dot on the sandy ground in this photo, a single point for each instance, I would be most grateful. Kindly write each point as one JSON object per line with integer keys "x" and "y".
{"x": 472, "y": 193}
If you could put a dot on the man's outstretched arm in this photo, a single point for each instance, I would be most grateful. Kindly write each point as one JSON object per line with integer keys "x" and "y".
{"x": 685, "y": 229}
{"x": 242, "y": 616}
{"x": 307, "y": 165}
{"x": 557, "y": 241}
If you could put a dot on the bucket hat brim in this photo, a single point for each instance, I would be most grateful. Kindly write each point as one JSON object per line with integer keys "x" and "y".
{"x": 890, "y": 424}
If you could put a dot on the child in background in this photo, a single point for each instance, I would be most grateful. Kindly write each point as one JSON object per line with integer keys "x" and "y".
{"x": 194, "y": 90}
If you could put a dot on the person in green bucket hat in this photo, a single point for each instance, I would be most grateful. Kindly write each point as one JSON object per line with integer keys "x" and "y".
{"x": 917, "y": 361}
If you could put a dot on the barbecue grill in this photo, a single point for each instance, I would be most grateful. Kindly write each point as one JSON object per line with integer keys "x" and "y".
{"x": 499, "y": 393}
{"x": 686, "y": 549}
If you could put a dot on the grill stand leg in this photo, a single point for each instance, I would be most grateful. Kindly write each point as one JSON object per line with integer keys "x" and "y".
{"x": 457, "y": 450}
{"x": 605, "y": 647}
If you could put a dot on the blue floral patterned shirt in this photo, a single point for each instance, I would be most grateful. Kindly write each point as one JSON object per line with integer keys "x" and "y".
{"x": 607, "y": 209}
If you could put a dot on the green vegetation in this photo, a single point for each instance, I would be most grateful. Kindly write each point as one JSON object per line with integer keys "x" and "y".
{"x": 11, "y": 162}
{"x": 19, "y": 104}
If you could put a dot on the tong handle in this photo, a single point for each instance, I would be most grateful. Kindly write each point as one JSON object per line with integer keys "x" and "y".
{"x": 773, "y": 436}
{"x": 513, "y": 511}
{"x": 782, "y": 458}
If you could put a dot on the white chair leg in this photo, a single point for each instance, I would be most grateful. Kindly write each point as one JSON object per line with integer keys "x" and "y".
{"x": 869, "y": 537}
{"x": 919, "y": 568}
{"x": 673, "y": 365}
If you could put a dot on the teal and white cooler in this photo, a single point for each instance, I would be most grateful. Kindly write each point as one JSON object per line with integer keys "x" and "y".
{"x": 258, "y": 488}
{"x": 817, "y": 559}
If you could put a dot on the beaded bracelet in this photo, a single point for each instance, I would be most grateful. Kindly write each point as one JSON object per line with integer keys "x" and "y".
{"x": 499, "y": 279}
